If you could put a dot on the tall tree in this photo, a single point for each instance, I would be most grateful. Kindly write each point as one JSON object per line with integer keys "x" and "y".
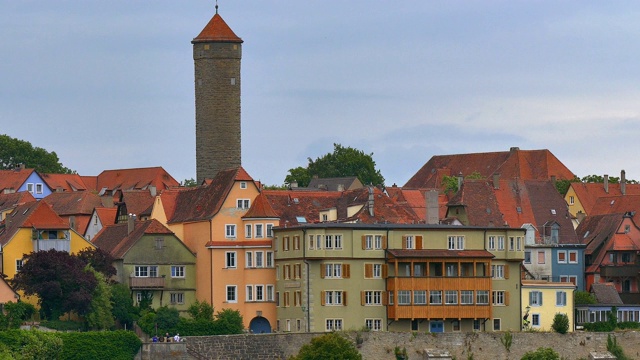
{"x": 14, "y": 152}
{"x": 59, "y": 280}
{"x": 100, "y": 260}
{"x": 100, "y": 316}
{"x": 342, "y": 162}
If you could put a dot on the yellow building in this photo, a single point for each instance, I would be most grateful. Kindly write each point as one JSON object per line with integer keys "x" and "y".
{"x": 542, "y": 300}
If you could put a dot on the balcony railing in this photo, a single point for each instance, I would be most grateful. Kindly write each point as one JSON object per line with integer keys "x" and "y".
{"x": 630, "y": 270}
{"x": 142, "y": 283}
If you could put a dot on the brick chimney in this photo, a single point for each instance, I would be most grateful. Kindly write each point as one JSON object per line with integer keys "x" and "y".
{"x": 623, "y": 182}
{"x": 433, "y": 211}
{"x": 496, "y": 181}
{"x": 131, "y": 221}
{"x": 460, "y": 180}
{"x": 606, "y": 183}
{"x": 371, "y": 201}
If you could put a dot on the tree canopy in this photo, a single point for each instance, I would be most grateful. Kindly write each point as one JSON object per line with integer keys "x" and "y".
{"x": 14, "y": 152}
{"x": 342, "y": 162}
{"x": 329, "y": 346}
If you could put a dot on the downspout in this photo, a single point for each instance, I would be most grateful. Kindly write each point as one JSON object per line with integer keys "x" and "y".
{"x": 211, "y": 262}
{"x": 304, "y": 259}
{"x": 386, "y": 289}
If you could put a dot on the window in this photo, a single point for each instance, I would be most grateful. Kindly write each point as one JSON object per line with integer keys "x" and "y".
{"x": 373, "y": 297}
{"x": 243, "y": 185}
{"x": 435, "y": 297}
{"x": 409, "y": 242}
{"x": 612, "y": 258}
{"x": 482, "y": 297}
{"x": 249, "y": 259}
{"x": 328, "y": 241}
{"x": 19, "y": 263}
{"x": 535, "y": 320}
{"x": 571, "y": 200}
{"x": 368, "y": 242}
{"x": 496, "y": 324}
{"x": 247, "y": 231}
{"x": 500, "y": 242}
{"x": 451, "y": 297}
{"x": 497, "y": 271}
{"x": 259, "y": 292}
{"x": 231, "y": 294}
{"x": 269, "y": 259}
{"x": 527, "y": 257}
{"x": 30, "y": 187}
{"x": 259, "y": 233}
{"x": 626, "y": 257}
{"x": 466, "y": 297}
{"x": 569, "y": 278}
{"x": 561, "y": 298}
{"x": 540, "y": 257}
{"x": 249, "y": 293}
{"x": 298, "y": 324}
{"x": 297, "y": 271}
{"x": 627, "y": 229}
{"x": 269, "y": 230}
{"x": 230, "y": 259}
{"x": 159, "y": 243}
{"x": 373, "y": 324}
{"x": 455, "y": 324}
{"x": 146, "y": 271}
{"x": 296, "y": 242}
{"x": 333, "y": 325}
{"x": 39, "y": 188}
{"x": 377, "y": 270}
{"x": 333, "y": 297}
{"x": 390, "y": 297}
{"x": 270, "y": 289}
{"x": 287, "y": 271}
{"x": 519, "y": 243}
{"x": 230, "y": 232}
{"x": 498, "y": 297}
{"x": 338, "y": 242}
{"x": 318, "y": 242}
{"x": 243, "y": 203}
{"x": 312, "y": 242}
{"x": 420, "y": 297}
{"x": 535, "y": 298}
{"x": 455, "y": 243}
{"x": 377, "y": 243}
{"x": 492, "y": 243}
{"x": 277, "y": 298}
{"x": 476, "y": 325}
{"x": 333, "y": 271}
{"x": 288, "y": 325}
{"x": 404, "y": 297}
{"x": 562, "y": 257}
{"x": 285, "y": 243}
{"x": 139, "y": 297}
{"x": 259, "y": 258}
{"x": 177, "y": 271}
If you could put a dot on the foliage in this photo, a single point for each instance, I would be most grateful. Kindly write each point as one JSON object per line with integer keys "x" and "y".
{"x": 190, "y": 327}
{"x": 59, "y": 280}
{"x": 189, "y": 183}
{"x": 328, "y": 346}
{"x": 450, "y": 183}
{"x": 507, "y": 340}
{"x": 32, "y": 344}
{"x": 122, "y": 307}
{"x": 563, "y": 185}
{"x": 100, "y": 316}
{"x": 628, "y": 325}
{"x": 342, "y": 162}
{"x": 612, "y": 317}
{"x": 615, "y": 349}
{"x": 63, "y": 325}
{"x": 229, "y": 322}
{"x": 600, "y": 326}
{"x": 560, "y": 323}
{"x": 400, "y": 353}
{"x": 99, "y": 260}
{"x": 15, "y": 314}
{"x": 583, "y": 298}
{"x": 164, "y": 320}
{"x": 146, "y": 299}
{"x": 541, "y": 354}
{"x": 201, "y": 310}
{"x": 14, "y": 152}
{"x": 116, "y": 345}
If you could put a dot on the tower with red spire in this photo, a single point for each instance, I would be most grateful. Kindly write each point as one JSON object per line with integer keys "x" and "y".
{"x": 217, "y": 52}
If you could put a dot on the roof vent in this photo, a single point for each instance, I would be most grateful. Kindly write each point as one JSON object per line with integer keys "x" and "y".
{"x": 296, "y": 201}
{"x": 519, "y": 210}
{"x": 553, "y": 211}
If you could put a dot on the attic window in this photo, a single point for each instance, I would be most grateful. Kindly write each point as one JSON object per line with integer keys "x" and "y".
{"x": 553, "y": 211}
{"x": 243, "y": 185}
{"x": 301, "y": 219}
{"x": 296, "y": 201}
{"x": 519, "y": 210}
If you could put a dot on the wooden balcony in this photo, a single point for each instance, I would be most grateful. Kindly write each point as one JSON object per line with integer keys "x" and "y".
{"x": 627, "y": 270}
{"x": 146, "y": 283}
{"x": 439, "y": 283}
{"x": 439, "y": 311}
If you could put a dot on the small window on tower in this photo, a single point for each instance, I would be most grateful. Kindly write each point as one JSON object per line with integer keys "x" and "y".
{"x": 233, "y": 81}
{"x": 235, "y": 47}
{"x": 206, "y": 46}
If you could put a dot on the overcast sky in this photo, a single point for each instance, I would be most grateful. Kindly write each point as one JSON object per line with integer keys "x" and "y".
{"x": 109, "y": 84}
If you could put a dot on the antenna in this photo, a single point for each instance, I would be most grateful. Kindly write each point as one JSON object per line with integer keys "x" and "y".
{"x": 216, "y": 6}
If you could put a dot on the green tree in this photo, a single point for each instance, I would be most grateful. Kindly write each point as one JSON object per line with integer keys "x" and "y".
{"x": 342, "y": 162}
{"x": 584, "y": 298}
{"x": 99, "y": 260}
{"x": 201, "y": 310}
{"x": 189, "y": 183}
{"x": 100, "y": 316}
{"x": 229, "y": 322}
{"x": 14, "y": 152}
{"x": 16, "y": 313}
{"x": 560, "y": 323}
{"x": 329, "y": 346}
{"x": 450, "y": 183}
{"x": 541, "y": 354}
{"x": 563, "y": 185}
{"x": 122, "y": 307}
{"x": 615, "y": 349}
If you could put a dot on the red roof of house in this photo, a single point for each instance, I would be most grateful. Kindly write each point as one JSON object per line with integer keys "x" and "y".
{"x": 135, "y": 179}
{"x": 107, "y": 215}
{"x": 616, "y": 205}
{"x": 73, "y": 203}
{"x": 35, "y": 214}
{"x": 260, "y": 209}
{"x": 10, "y": 200}
{"x": 589, "y": 193}
{"x": 13, "y": 179}
{"x": 217, "y": 30}
{"x": 139, "y": 202}
{"x": 64, "y": 182}
{"x": 524, "y": 164}
{"x": 116, "y": 240}
{"x": 415, "y": 199}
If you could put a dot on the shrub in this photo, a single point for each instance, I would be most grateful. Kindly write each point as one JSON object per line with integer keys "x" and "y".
{"x": 600, "y": 326}
{"x": 507, "y": 340}
{"x": 615, "y": 349}
{"x": 329, "y": 346}
{"x": 31, "y": 344}
{"x": 560, "y": 323}
{"x": 541, "y": 354}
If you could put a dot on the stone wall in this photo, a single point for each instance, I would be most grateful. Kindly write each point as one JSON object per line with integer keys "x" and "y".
{"x": 380, "y": 345}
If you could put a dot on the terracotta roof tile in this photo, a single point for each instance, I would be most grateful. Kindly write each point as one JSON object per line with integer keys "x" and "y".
{"x": 107, "y": 215}
{"x": 415, "y": 199}
{"x": 35, "y": 214}
{"x": 64, "y": 182}
{"x": 260, "y": 209}
{"x": 606, "y": 293}
{"x": 73, "y": 203}
{"x": 135, "y": 179}
{"x": 139, "y": 202}
{"x": 116, "y": 239}
{"x": 217, "y": 30}
{"x": 11, "y": 200}
{"x": 13, "y": 179}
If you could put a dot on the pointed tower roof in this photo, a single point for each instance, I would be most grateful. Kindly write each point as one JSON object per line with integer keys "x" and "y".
{"x": 261, "y": 209}
{"x": 217, "y": 31}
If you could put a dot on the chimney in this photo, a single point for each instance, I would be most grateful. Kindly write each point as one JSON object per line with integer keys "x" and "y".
{"x": 72, "y": 222}
{"x": 131, "y": 223}
{"x": 153, "y": 191}
{"x": 553, "y": 179}
{"x": 460, "y": 180}
{"x": 371, "y": 201}
{"x": 59, "y": 189}
{"x": 433, "y": 211}
{"x": 580, "y": 216}
{"x": 606, "y": 183}
{"x": 496, "y": 181}
{"x": 623, "y": 181}
{"x": 514, "y": 149}
{"x": 340, "y": 187}
{"x": 294, "y": 184}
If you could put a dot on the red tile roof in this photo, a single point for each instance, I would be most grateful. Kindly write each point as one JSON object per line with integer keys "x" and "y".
{"x": 589, "y": 193}
{"x": 260, "y": 209}
{"x": 35, "y": 214}
{"x": 73, "y": 203}
{"x": 524, "y": 164}
{"x": 217, "y": 30}
{"x": 13, "y": 179}
{"x": 139, "y": 202}
{"x": 64, "y": 182}
{"x": 116, "y": 240}
{"x": 415, "y": 199}
{"x": 596, "y": 232}
{"x": 134, "y": 179}
{"x": 617, "y": 205}
{"x": 11, "y": 200}
{"x": 107, "y": 215}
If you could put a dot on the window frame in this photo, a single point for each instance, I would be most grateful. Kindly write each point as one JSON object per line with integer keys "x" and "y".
{"x": 233, "y": 291}
{"x": 230, "y": 260}
{"x": 230, "y": 231}
{"x": 178, "y": 271}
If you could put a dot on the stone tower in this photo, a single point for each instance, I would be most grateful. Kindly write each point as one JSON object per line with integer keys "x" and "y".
{"x": 216, "y": 55}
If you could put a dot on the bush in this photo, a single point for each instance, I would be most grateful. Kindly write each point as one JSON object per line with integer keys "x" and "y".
{"x": 116, "y": 345}
{"x": 560, "y": 323}
{"x": 615, "y": 349}
{"x": 31, "y": 344}
{"x": 600, "y": 326}
{"x": 61, "y": 325}
{"x": 541, "y": 354}
{"x": 329, "y": 346}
